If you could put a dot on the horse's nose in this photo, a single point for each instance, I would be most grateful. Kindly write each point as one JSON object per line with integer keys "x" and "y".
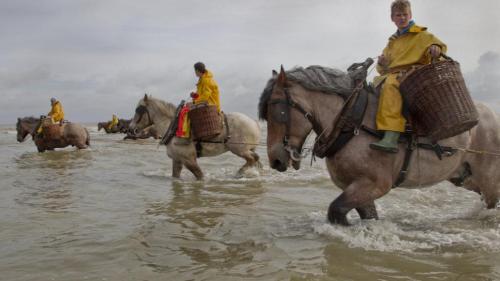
{"x": 278, "y": 157}
{"x": 279, "y": 165}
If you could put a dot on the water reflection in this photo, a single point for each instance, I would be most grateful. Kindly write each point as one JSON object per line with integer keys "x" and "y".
{"x": 375, "y": 265}
{"x": 46, "y": 179}
{"x": 193, "y": 223}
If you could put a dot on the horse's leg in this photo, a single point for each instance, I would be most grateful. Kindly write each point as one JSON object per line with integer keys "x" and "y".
{"x": 249, "y": 156}
{"x": 176, "y": 168}
{"x": 359, "y": 194}
{"x": 369, "y": 211}
{"x": 256, "y": 158}
{"x": 192, "y": 166}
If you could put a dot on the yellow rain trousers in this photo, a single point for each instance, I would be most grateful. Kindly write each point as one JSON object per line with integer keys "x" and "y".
{"x": 402, "y": 52}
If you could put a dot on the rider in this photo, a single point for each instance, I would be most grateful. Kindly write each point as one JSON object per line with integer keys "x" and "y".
{"x": 114, "y": 122}
{"x": 409, "y": 47}
{"x": 56, "y": 113}
{"x": 207, "y": 92}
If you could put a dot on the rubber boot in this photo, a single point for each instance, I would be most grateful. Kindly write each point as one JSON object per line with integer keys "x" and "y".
{"x": 388, "y": 144}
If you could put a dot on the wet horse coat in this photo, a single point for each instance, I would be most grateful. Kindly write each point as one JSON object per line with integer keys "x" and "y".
{"x": 365, "y": 174}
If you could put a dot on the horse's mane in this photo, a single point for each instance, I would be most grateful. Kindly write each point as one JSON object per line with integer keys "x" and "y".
{"x": 314, "y": 78}
{"x": 162, "y": 106}
{"x": 30, "y": 119}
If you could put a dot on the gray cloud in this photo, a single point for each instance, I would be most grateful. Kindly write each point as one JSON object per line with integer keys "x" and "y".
{"x": 483, "y": 82}
{"x": 99, "y": 57}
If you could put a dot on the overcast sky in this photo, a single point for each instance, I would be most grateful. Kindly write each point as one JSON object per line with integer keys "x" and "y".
{"x": 99, "y": 57}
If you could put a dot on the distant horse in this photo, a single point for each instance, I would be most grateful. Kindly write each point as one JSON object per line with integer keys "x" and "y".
{"x": 365, "y": 174}
{"x": 71, "y": 134}
{"x": 244, "y": 136}
{"x": 121, "y": 127}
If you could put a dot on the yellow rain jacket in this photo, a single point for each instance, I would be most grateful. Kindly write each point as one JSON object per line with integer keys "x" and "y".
{"x": 402, "y": 52}
{"x": 56, "y": 112}
{"x": 207, "y": 90}
{"x": 114, "y": 122}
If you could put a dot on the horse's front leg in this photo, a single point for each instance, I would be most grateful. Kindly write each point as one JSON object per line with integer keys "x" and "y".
{"x": 176, "y": 168}
{"x": 359, "y": 195}
{"x": 192, "y": 166}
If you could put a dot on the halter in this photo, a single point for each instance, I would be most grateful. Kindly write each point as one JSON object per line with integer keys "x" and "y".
{"x": 141, "y": 110}
{"x": 284, "y": 117}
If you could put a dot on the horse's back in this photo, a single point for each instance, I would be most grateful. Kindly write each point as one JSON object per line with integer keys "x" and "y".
{"x": 75, "y": 131}
{"x": 242, "y": 126}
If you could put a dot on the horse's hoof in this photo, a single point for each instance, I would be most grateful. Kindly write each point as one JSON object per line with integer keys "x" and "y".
{"x": 336, "y": 217}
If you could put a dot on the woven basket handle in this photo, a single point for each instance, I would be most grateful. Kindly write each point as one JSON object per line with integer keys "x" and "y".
{"x": 444, "y": 56}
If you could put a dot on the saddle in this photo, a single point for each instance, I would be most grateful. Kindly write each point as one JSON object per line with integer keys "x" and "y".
{"x": 206, "y": 125}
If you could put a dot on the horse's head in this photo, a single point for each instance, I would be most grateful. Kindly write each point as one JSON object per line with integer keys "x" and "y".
{"x": 142, "y": 117}
{"x": 100, "y": 125}
{"x": 25, "y": 126}
{"x": 286, "y": 109}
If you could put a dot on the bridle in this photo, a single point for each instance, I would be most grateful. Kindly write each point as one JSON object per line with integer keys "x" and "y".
{"x": 142, "y": 110}
{"x": 358, "y": 72}
{"x": 284, "y": 118}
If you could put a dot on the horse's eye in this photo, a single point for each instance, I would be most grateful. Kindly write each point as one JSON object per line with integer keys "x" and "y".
{"x": 279, "y": 113}
{"x": 139, "y": 110}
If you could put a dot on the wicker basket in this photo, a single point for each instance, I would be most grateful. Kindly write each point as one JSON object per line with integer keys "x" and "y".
{"x": 52, "y": 131}
{"x": 205, "y": 121}
{"x": 438, "y": 101}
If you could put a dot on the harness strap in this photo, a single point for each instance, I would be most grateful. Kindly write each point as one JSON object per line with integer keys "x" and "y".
{"x": 348, "y": 125}
{"x": 406, "y": 163}
{"x": 228, "y": 136}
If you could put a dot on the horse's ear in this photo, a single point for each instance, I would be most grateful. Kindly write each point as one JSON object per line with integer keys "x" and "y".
{"x": 275, "y": 73}
{"x": 145, "y": 97}
{"x": 18, "y": 119}
{"x": 282, "y": 76}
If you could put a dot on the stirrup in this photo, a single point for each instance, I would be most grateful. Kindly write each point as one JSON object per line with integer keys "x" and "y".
{"x": 379, "y": 147}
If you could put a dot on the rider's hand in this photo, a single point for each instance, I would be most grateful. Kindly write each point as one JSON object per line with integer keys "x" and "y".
{"x": 194, "y": 95}
{"x": 382, "y": 60}
{"x": 435, "y": 51}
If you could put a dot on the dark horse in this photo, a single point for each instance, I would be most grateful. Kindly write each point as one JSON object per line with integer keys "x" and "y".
{"x": 71, "y": 134}
{"x": 364, "y": 174}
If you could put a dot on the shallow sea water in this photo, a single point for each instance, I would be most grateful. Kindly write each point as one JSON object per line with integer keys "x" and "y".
{"x": 114, "y": 213}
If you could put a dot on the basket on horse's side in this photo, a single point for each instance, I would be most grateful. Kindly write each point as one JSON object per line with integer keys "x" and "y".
{"x": 52, "y": 131}
{"x": 205, "y": 121}
{"x": 438, "y": 100}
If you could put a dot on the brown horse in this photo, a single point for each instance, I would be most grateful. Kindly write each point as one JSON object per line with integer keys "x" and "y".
{"x": 72, "y": 134}
{"x": 364, "y": 174}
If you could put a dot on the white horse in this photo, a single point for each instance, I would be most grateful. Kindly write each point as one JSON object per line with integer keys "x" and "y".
{"x": 240, "y": 135}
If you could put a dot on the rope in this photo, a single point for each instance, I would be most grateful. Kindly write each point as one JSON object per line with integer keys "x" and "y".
{"x": 483, "y": 152}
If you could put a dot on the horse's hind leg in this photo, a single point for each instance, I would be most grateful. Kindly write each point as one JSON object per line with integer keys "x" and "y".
{"x": 194, "y": 168}
{"x": 359, "y": 194}
{"x": 369, "y": 211}
{"x": 256, "y": 158}
{"x": 251, "y": 159}
{"x": 176, "y": 168}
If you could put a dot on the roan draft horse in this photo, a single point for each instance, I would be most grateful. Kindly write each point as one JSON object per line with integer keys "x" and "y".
{"x": 71, "y": 134}
{"x": 292, "y": 111}
{"x": 241, "y": 135}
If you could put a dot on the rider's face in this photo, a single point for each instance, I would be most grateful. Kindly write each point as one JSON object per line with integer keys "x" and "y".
{"x": 401, "y": 18}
